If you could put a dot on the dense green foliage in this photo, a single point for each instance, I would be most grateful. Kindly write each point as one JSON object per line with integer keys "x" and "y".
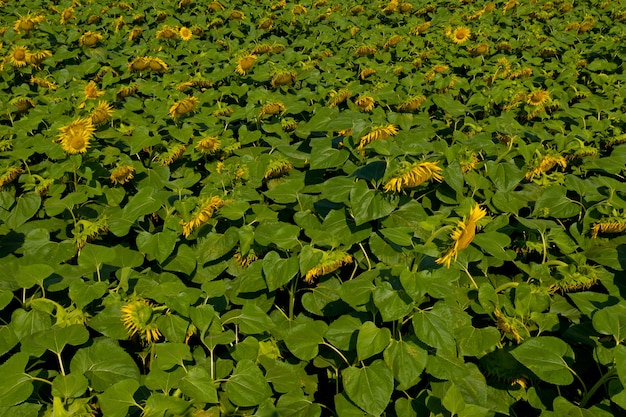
{"x": 328, "y": 208}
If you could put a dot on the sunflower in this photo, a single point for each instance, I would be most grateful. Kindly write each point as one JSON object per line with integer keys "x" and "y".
{"x": 101, "y": 113}
{"x": 92, "y": 92}
{"x": 172, "y": 153}
{"x": 157, "y": 65}
{"x": 42, "y": 82}
{"x": 87, "y": 230}
{"x": 411, "y": 104}
{"x": 75, "y": 136}
{"x": 90, "y": 39}
{"x": 613, "y": 224}
{"x": 330, "y": 262}
{"x": 365, "y": 103}
{"x": 245, "y": 63}
{"x": 67, "y": 15}
{"x": 27, "y": 23}
{"x": 272, "y": 108}
{"x": 202, "y": 214}
{"x": 35, "y": 59}
{"x": 277, "y": 167}
{"x": 462, "y": 235}
{"x": 237, "y": 15}
{"x": 366, "y": 73}
{"x": 460, "y": 34}
{"x": 19, "y": 56}
{"x": 185, "y": 34}
{"x": 413, "y": 175}
{"x": 122, "y": 174}
{"x": 9, "y": 175}
{"x": 538, "y": 98}
{"x": 281, "y": 78}
{"x": 139, "y": 317}
{"x": 167, "y": 33}
{"x": 378, "y": 133}
{"x": 135, "y": 33}
{"x": 208, "y": 145}
{"x": 23, "y": 104}
{"x": 338, "y": 97}
{"x": 182, "y": 107}
{"x": 545, "y": 164}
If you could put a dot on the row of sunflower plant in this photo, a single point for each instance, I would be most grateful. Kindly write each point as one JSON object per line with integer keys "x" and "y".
{"x": 400, "y": 208}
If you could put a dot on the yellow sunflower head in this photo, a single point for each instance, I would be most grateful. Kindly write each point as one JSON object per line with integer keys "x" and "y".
{"x": 245, "y": 63}
{"x": 139, "y": 317}
{"x": 101, "y": 113}
{"x": 19, "y": 56}
{"x": 91, "y": 90}
{"x": 208, "y": 145}
{"x": 75, "y": 136}
{"x": 185, "y": 33}
{"x": 122, "y": 174}
{"x": 538, "y": 98}
{"x": 90, "y": 39}
{"x": 460, "y": 34}
{"x": 182, "y": 107}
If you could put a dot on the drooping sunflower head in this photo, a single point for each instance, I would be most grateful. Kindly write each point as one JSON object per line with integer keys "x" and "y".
{"x": 122, "y": 174}
{"x": 139, "y": 64}
{"x": 460, "y": 34}
{"x": 365, "y": 103}
{"x": 330, "y": 262}
{"x": 245, "y": 63}
{"x": 92, "y": 92}
{"x": 157, "y": 65}
{"x": 237, "y": 15}
{"x": 378, "y": 133}
{"x": 101, "y": 113}
{"x": 36, "y": 58}
{"x": 135, "y": 33}
{"x": 19, "y": 56}
{"x": 167, "y": 32}
{"x": 182, "y": 107}
{"x": 544, "y": 163}
{"x": 208, "y": 145}
{"x": 272, "y": 108}
{"x": 87, "y": 230}
{"x": 413, "y": 175}
{"x": 411, "y": 104}
{"x": 23, "y": 104}
{"x": 139, "y": 317}
{"x": 75, "y": 136}
{"x": 67, "y": 15}
{"x": 90, "y": 39}
{"x": 283, "y": 77}
{"x": 538, "y": 98}
{"x": 42, "y": 82}
{"x": 10, "y": 174}
{"x": 277, "y": 167}
{"x": 463, "y": 235}
{"x": 185, "y": 33}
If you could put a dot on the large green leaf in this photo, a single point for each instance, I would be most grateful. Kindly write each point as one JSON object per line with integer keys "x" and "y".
{"x": 118, "y": 398}
{"x": 407, "y": 361}
{"x": 247, "y": 386}
{"x": 104, "y": 363}
{"x": 545, "y": 356}
{"x": 199, "y": 386}
{"x": 369, "y": 387}
{"x": 15, "y": 385}
{"x": 371, "y": 340}
{"x": 367, "y": 204}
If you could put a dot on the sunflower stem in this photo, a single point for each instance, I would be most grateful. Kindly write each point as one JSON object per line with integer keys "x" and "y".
{"x": 60, "y": 363}
{"x": 603, "y": 380}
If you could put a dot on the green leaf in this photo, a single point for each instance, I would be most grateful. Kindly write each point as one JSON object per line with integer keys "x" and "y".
{"x": 56, "y": 338}
{"x": 199, "y": 386}
{"x": 93, "y": 257}
{"x": 104, "y": 363}
{"x": 283, "y": 235}
{"x": 157, "y": 246}
{"x": 253, "y": 320}
{"x": 324, "y": 156}
{"x": 392, "y": 304}
{"x": 407, "y": 361}
{"x": 247, "y": 386}
{"x": 369, "y": 387}
{"x": 371, "y": 340}
{"x": 286, "y": 192}
{"x": 158, "y": 404}
{"x": 544, "y": 355}
{"x": 611, "y": 320}
{"x": 33, "y": 274}
{"x": 553, "y": 202}
{"x": 15, "y": 385}
{"x": 367, "y": 204}
{"x": 27, "y": 206}
{"x": 295, "y": 404}
{"x": 118, "y": 398}
{"x": 495, "y": 244}
{"x": 431, "y": 328}
{"x": 69, "y": 386}
{"x": 453, "y": 401}
{"x": 303, "y": 338}
{"x": 279, "y": 271}
{"x": 342, "y": 332}
{"x": 168, "y": 355}
{"x": 473, "y": 342}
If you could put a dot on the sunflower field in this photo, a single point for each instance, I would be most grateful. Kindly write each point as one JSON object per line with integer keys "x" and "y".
{"x": 326, "y": 208}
